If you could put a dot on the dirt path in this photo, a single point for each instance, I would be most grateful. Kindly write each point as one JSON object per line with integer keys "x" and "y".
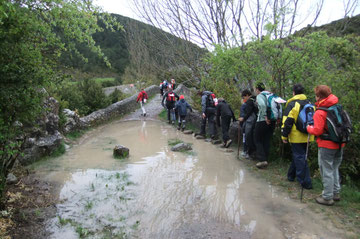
{"x": 155, "y": 193}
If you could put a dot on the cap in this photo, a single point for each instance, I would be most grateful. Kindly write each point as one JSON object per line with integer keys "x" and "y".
{"x": 181, "y": 97}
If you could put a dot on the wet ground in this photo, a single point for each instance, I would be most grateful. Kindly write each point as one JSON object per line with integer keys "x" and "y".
{"x": 157, "y": 193}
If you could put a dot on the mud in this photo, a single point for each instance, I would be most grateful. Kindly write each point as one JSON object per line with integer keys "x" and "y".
{"x": 157, "y": 193}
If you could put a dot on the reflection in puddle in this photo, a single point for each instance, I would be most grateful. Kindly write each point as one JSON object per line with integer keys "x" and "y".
{"x": 157, "y": 193}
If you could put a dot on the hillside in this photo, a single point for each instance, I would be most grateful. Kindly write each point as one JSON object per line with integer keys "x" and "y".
{"x": 341, "y": 27}
{"x": 139, "y": 51}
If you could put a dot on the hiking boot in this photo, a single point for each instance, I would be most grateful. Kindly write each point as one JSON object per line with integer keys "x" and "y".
{"x": 182, "y": 129}
{"x": 336, "y": 197}
{"x": 228, "y": 143}
{"x": 262, "y": 164}
{"x": 178, "y": 128}
{"x": 145, "y": 115}
{"x": 323, "y": 201}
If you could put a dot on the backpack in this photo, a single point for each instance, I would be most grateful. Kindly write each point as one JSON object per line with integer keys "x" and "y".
{"x": 170, "y": 97}
{"x": 338, "y": 123}
{"x": 305, "y": 116}
{"x": 273, "y": 106}
{"x": 211, "y": 100}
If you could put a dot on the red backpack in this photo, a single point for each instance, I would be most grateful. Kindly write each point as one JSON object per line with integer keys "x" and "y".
{"x": 170, "y": 97}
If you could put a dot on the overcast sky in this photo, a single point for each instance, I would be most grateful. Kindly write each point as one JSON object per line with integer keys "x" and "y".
{"x": 333, "y": 9}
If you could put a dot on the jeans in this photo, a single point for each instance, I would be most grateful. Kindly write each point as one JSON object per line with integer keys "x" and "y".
{"x": 263, "y": 134}
{"x": 299, "y": 166}
{"x": 212, "y": 126}
{"x": 329, "y": 163}
{"x": 170, "y": 112}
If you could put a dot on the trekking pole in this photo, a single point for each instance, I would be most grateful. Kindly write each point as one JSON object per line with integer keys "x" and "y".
{"x": 306, "y": 155}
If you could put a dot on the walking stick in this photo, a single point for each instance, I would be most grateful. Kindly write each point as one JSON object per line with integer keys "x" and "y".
{"x": 239, "y": 141}
{"x": 306, "y": 155}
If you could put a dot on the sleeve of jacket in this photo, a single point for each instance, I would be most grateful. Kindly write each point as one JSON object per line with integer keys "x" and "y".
{"x": 138, "y": 98}
{"x": 145, "y": 95}
{"x": 249, "y": 108}
{"x": 319, "y": 123}
{"x": 188, "y": 106}
{"x": 291, "y": 112}
{"x": 232, "y": 114}
{"x": 203, "y": 103}
{"x": 176, "y": 96}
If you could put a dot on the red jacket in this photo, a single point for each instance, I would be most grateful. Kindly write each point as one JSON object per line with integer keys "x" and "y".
{"x": 141, "y": 96}
{"x": 320, "y": 124}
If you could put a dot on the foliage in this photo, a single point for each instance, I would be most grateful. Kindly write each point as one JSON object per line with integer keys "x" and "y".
{"x": 33, "y": 34}
{"x": 310, "y": 60}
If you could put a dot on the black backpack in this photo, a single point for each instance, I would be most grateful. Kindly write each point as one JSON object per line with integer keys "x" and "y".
{"x": 338, "y": 123}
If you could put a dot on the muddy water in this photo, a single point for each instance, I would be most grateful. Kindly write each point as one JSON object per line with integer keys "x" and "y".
{"x": 157, "y": 193}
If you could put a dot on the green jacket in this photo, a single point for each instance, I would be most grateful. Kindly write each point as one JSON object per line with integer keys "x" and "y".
{"x": 288, "y": 129}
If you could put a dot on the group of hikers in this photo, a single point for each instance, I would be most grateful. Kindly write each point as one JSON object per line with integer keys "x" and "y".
{"x": 299, "y": 120}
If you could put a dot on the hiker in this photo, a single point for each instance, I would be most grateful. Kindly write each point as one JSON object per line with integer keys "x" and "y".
{"x": 298, "y": 140}
{"x": 170, "y": 97}
{"x": 208, "y": 111}
{"x": 142, "y": 97}
{"x": 224, "y": 111}
{"x": 181, "y": 106}
{"x": 330, "y": 153}
{"x": 248, "y": 115}
{"x": 264, "y": 127}
{"x": 173, "y": 84}
{"x": 163, "y": 86}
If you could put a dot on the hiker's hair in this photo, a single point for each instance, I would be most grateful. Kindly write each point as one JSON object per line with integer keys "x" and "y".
{"x": 245, "y": 93}
{"x": 298, "y": 89}
{"x": 260, "y": 87}
{"x": 200, "y": 92}
{"x": 322, "y": 91}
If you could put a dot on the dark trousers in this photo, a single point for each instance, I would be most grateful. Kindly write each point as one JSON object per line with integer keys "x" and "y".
{"x": 225, "y": 125}
{"x": 210, "y": 117}
{"x": 249, "y": 144}
{"x": 298, "y": 166}
{"x": 182, "y": 121}
{"x": 263, "y": 134}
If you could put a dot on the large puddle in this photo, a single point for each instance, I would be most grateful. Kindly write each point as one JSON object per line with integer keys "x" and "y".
{"x": 157, "y": 193}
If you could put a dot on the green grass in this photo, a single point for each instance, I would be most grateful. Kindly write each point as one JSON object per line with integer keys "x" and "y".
{"x": 101, "y": 80}
{"x": 76, "y": 134}
{"x": 173, "y": 142}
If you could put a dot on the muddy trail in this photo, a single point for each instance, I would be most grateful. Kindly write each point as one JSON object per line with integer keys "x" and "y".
{"x": 157, "y": 193}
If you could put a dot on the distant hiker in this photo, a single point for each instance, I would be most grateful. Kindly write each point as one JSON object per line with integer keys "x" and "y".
{"x": 299, "y": 141}
{"x": 173, "y": 84}
{"x": 224, "y": 111}
{"x": 330, "y": 153}
{"x": 248, "y": 115}
{"x": 208, "y": 112}
{"x": 168, "y": 102}
{"x": 163, "y": 86}
{"x": 142, "y": 97}
{"x": 181, "y": 106}
{"x": 264, "y": 127}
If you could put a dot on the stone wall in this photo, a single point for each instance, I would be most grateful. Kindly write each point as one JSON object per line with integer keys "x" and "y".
{"x": 115, "y": 110}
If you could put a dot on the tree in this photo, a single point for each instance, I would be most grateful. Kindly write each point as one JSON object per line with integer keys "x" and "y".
{"x": 33, "y": 34}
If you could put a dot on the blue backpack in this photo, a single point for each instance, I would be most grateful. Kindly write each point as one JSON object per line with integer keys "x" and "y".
{"x": 306, "y": 115}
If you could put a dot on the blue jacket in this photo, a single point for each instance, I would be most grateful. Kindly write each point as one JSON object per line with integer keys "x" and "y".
{"x": 182, "y": 107}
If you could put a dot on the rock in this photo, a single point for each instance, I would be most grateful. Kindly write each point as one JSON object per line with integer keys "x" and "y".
{"x": 181, "y": 147}
{"x": 188, "y": 132}
{"x": 11, "y": 179}
{"x": 229, "y": 150}
{"x": 199, "y": 137}
{"x": 208, "y": 140}
{"x": 121, "y": 152}
{"x": 216, "y": 141}
{"x": 72, "y": 121}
